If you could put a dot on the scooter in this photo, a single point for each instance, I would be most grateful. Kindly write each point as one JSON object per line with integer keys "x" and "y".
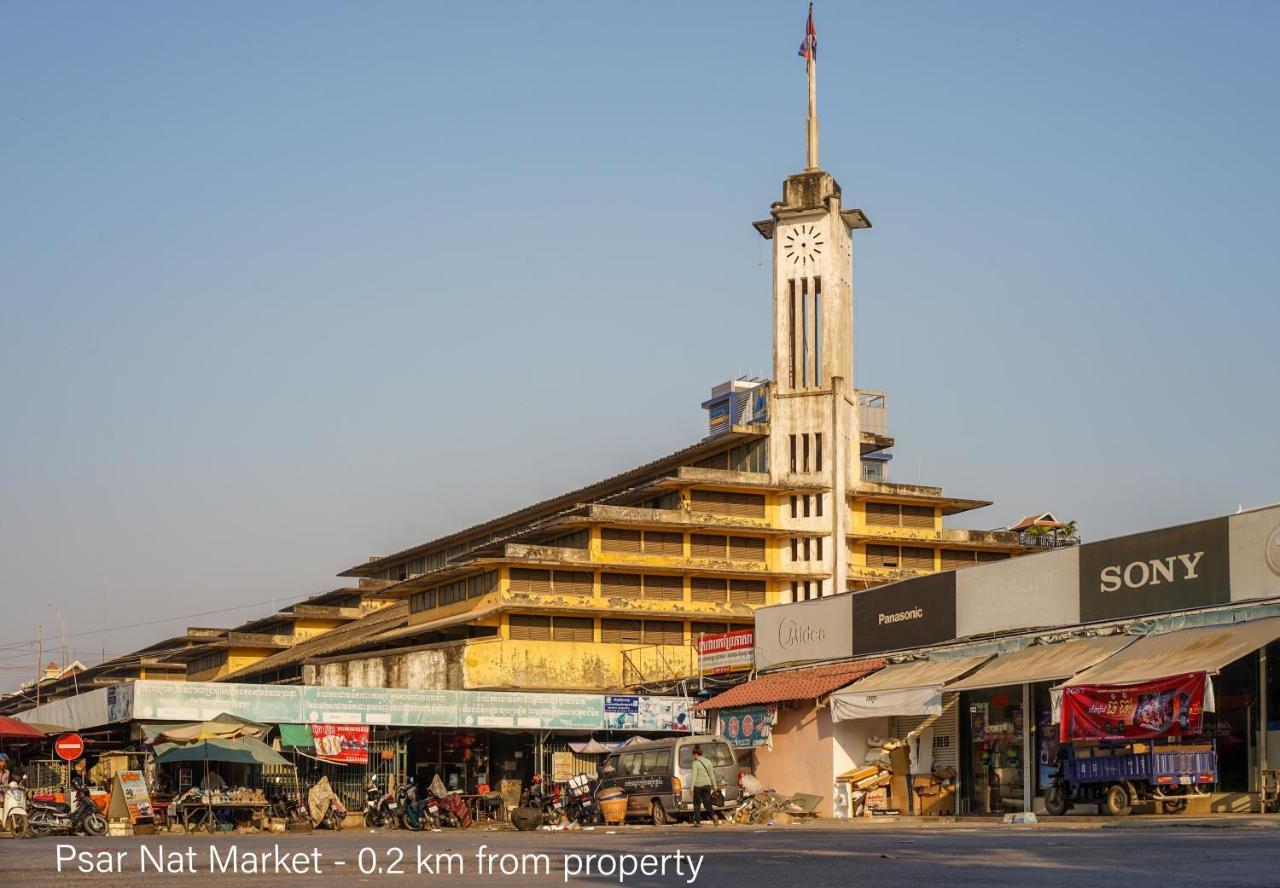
{"x": 55, "y": 818}
{"x": 14, "y": 813}
{"x": 414, "y": 811}
{"x": 379, "y": 807}
{"x": 581, "y": 805}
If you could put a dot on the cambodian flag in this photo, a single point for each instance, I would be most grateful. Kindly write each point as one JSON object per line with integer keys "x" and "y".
{"x": 809, "y": 48}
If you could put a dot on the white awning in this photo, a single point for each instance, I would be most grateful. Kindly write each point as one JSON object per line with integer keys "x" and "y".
{"x": 1043, "y": 662}
{"x": 902, "y": 689}
{"x": 1200, "y": 649}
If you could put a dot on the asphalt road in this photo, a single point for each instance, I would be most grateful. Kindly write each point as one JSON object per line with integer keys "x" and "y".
{"x": 742, "y": 857}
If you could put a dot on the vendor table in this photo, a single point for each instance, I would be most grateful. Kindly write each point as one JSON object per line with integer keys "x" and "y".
{"x": 257, "y": 812}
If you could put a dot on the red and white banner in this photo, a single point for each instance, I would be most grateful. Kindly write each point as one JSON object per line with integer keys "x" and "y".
{"x": 342, "y": 743}
{"x": 726, "y": 652}
{"x": 1165, "y": 707}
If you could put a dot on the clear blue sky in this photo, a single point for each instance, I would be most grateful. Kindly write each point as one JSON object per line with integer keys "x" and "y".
{"x": 288, "y": 284}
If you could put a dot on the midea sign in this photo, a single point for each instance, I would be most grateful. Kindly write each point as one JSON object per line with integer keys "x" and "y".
{"x": 791, "y": 634}
{"x": 1156, "y": 572}
{"x": 804, "y": 632}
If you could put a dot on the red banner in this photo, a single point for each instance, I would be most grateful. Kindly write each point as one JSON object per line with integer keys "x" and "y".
{"x": 342, "y": 743}
{"x": 1166, "y": 707}
{"x": 726, "y": 651}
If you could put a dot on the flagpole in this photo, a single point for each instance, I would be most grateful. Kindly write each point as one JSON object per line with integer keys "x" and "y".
{"x": 811, "y": 65}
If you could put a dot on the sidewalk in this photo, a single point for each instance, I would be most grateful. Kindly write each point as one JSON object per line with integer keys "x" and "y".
{"x": 1075, "y": 822}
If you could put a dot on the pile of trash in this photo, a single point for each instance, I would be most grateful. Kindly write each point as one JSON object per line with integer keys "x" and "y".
{"x": 880, "y": 786}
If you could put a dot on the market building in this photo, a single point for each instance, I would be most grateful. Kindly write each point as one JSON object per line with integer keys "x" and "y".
{"x": 977, "y": 664}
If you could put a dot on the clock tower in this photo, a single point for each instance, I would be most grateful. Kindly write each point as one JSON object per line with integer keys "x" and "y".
{"x": 814, "y": 446}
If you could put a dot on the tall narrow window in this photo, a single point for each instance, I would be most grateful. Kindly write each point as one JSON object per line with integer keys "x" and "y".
{"x": 805, "y": 439}
{"x": 795, "y": 503}
{"x": 793, "y": 452}
{"x": 804, "y": 332}
{"x": 806, "y": 505}
{"x": 817, "y": 452}
{"x": 791, "y": 332}
{"x": 819, "y": 504}
{"x": 817, "y": 334}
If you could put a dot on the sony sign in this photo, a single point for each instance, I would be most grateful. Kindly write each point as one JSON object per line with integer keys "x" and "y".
{"x": 1137, "y": 574}
{"x": 1156, "y": 572}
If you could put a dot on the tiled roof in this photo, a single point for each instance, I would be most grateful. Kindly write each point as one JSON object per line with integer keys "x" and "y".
{"x": 794, "y": 684}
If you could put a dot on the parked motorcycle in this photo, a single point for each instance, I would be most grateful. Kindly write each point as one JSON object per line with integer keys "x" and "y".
{"x": 453, "y": 811}
{"x": 14, "y": 813}
{"x": 540, "y": 798}
{"x": 381, "y": 810}
{"x": 324, "y": 807}
{"x": 55, "y": 818}
{"x": 414, "y": 812}
{"x": 580, "y": 802}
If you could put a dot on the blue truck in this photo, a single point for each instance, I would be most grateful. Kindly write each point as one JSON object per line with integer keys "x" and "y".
{"x": 1117, "y": 776}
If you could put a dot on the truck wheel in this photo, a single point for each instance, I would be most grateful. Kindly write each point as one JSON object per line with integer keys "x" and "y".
{"x": 1117, "y": 802}
{"x": 1055, "y": 801}
{"x": 1175, "y": 807}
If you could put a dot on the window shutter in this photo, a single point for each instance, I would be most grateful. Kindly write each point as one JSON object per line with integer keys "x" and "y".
{"x": 697, "y": 629}
{"x": 918, "y": 516}
{"x": 572, "y": 582}
{"x": 746, "y": 591}
{"x": 616, "y": 585}
{"x": 664, "y": 587}
{"x": 659, "y": 543}
{"x": 708, "y": 589}
{"x": 573, "y": 629}
{"x": 956, "y": 558}
{"x": 883, "y": 556}
{"x": 702, "y": 545}
{"x": 746, "y": 549}
{"x": 663, "y": 632}
{"x": 883, "y": 514}
{"x": 621, "y": 631}
{"x": 917, "y": 559}
{"x": 529, "y": 627}
{"x": 613, "y": 539}
{"x": 530, "y": 581}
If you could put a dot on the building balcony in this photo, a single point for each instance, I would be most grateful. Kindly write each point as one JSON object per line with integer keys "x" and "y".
{"x": 969, "y": 539}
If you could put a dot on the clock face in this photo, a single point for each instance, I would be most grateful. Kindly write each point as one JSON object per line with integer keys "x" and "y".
{"x": 803, "y": 245}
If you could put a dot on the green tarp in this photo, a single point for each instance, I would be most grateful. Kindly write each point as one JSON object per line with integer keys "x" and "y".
{"x": 240, "y": 751}
{"x": 298, "y": 736}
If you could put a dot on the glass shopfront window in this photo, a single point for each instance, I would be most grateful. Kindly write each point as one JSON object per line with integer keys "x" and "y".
{"x": 995, "y": 760}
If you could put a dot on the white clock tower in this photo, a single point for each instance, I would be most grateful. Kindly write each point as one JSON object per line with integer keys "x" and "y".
{"x": 814, "y": 447}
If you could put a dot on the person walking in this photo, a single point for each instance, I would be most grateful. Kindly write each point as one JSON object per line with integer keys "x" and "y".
{"x": 704, "y": 783}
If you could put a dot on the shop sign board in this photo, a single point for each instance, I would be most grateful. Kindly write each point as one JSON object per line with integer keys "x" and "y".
{"x": 179, "y": 701}
{"x": 561, "y": 767}
{"x": 747, "y": 727}
{"x": 348, "y": 744}
{"x": 647, "y": 713}
{"x": 422, "y": 708}
{"x": 906, "y": 614}
{"x": 498, "y": 709}
{"x": 724, "y": 652}
{"x": 1255, "y": 554}
{"x": 1162, "y": 570}
{"x": 804, "y": 632}
{"x": 69, "y": 747}
{"x": 119, "y": 703}
{"x": 129, "y": 798}
{"x": 270, "y": 704}
{"x": 1165, "y": 707}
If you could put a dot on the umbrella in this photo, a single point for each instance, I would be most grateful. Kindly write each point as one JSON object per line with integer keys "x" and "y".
{"x": 224, "y": 727}
{"x": 238, "y": 751}
{"x": 12, "y": 729}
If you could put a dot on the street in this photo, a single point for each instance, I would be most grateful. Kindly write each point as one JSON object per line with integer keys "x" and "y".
{"x": 816, "y": 855}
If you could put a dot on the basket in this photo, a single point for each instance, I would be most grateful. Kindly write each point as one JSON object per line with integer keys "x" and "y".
{"x": 614, "y": 809}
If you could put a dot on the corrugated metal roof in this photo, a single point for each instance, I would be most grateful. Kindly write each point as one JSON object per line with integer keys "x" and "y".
{"x": 795, "y": 684}
{"x": 332, "y": 642}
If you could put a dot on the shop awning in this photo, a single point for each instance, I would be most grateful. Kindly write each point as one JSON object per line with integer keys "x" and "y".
{"x": 1043, "y": 662}
{"x": 298, "y": 736}
{"x": 1200, "y": 649}
{"x": 913, "y": 688}
{"x": 791, "y": 684}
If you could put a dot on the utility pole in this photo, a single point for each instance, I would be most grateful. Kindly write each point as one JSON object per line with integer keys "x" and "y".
{"x": 39, "y": 659}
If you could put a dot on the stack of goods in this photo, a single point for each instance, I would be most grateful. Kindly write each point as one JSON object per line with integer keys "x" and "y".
{"x": 869, "y": 785}
{"x": 935, "y": 792}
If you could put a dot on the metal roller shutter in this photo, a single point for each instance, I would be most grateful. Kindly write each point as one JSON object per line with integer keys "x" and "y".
{"x": 659, "y": 543}
{"x": 613, "y": 539}
{"x": 746, "y": 549}
{"x": 664, "y": 587}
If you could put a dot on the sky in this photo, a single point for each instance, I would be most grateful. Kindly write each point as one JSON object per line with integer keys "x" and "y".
{"x": 283, "y": 286}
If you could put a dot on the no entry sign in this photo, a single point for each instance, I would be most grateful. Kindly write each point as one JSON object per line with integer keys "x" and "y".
{"x": 69, "y": 747}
